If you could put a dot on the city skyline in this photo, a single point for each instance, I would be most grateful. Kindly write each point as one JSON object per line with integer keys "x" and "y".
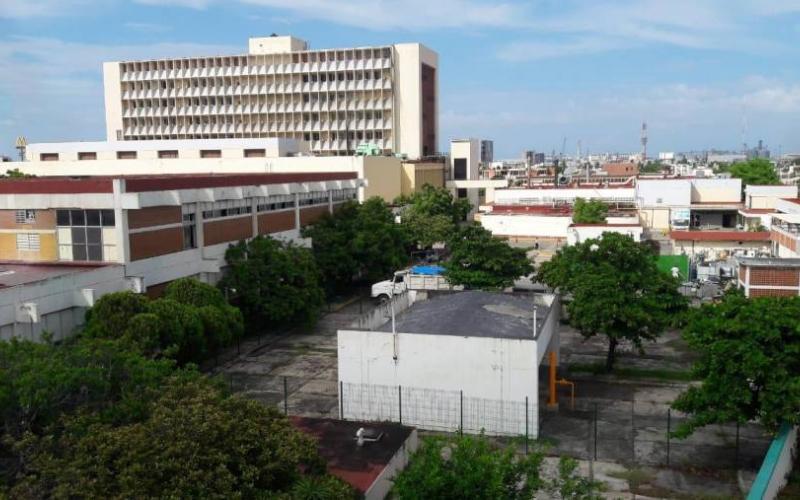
{"x": 703, "y": 75}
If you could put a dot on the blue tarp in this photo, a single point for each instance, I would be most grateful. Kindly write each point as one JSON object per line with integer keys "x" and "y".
{"x": 427, "y": 270}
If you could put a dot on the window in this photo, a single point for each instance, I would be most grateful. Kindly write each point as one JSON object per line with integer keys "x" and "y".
{"x": 88, "y": 155}
{"x": 126, "y": 155}
{"x": 459, "y": 168}
{"x": 25, "y": 216}
{"x": 28, "y": 242}
{"x": 227, "y": 209}
{"x": 210, "y": 153}
{"x": 48, "y": 157}
{"x": 189, "y": 231}
{"x": 85, "y": 230}
{"x": 172, "y": 153}
{"x": 275, "y": 202}
{"x": 255, "y": 153}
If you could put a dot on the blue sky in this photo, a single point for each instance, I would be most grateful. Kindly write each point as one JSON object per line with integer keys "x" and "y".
{"x": 525, "y": 74}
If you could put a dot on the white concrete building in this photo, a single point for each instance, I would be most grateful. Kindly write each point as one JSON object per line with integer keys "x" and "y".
{"x": 465, "y": 159}
{"x": 472, "y": 354}
{"x": 334, "y": 99}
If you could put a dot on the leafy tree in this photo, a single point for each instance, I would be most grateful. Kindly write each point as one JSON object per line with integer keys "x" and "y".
{"x": 616, "y": 290}
{"x": 480, "y": 260}
{"x": 274, "y": 282}
{"x": 111, "y": 315}
{"x": 757, "y": 171}
{"x": 222, "y": 323}
{"x": 358, "y": 242}
{"x": 749, "y": 363}
{"x": 589, "y": 211}
{"x": 193, "y": 442}
{"x": 468, "y": 467}
{"x": 431, "y": 215}
{"x": 16, "y": 174}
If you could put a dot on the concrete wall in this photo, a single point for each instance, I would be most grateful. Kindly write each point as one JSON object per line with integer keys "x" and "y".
{"x": 663, "y": 193}
{"x": 409, "y": 58}
{"x": 546, "y": 196}
{"x": 500, "y": 372}
{"x": 579, "y": 234}
{"x": 655, "y": 218}
{"x": 519, "y": 225}
{"x": 767, "y": 196}
{"x": 716, "y": 190}
{"x": 112, "y": 92}
{"x": 777, "y": 465}
{"x": 415, "y": 175}
{"x": 469, "y": 150}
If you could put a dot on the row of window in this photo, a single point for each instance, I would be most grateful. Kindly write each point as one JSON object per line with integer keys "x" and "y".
{"x": 232, "y": 61}
{"x": 92, "y": 218}
{"x": 304, "y": 120}
{"x": 186, "y": 83}
{"x": 163, "y": 154}
{"x": 313, "y": 198}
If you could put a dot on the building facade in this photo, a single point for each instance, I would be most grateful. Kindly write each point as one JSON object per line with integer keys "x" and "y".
{"x": 66, "y": 241}
{"x": 769, "y": 277}
{"x": 334, "y": 99}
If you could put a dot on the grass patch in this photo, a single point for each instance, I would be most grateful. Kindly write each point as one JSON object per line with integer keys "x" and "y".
{"x": 634, "y": 373}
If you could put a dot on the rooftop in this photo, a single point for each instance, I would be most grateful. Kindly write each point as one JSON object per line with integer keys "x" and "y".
{"x": 768, "y": 262}
{"x": 472, "y": 314}
{"x": 144, "y": 183}
{"x": 721, "y": 235}
{"x": 14, "y": 273}
{"x": 357, "y": 465}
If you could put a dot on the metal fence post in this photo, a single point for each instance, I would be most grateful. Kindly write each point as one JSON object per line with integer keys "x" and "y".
{"x": 461, "y": 411}
{"x": 526, "y": 425}
{"x": 341, "y": 400}
{"x": 633, "y": 429}
{"x": 595, "y": 431}
{"x": 285, "y": 397}
{"x": 669, "y": 431}
{"x": 736, "y": 456}
{"x": 400, "y": 403}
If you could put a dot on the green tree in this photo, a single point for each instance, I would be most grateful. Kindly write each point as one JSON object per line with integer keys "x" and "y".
{"x": 358, "y": 242}
{"x": 273, "y": 282}
{"x": 749, "y": 363}
{"x": 616, "y": 290}
{"x": 480, "y": 260}
{"x": 432, "y": 214}
{"x": 193, "y": 442}
{"x": 222, "y": 323}
{"x": 589, "y": 211}
{"x": 468, "y": 467}
{"x": 111, "y": 315}
{"x": 757, "y": 171}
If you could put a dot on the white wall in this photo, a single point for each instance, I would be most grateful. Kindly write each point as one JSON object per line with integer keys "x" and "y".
{"x": 767, "y": 196}
{"x": 546, "y": 196}
{"x": 113, "y": 99}
{"x": 487, "y": 369}
{"x": 541, "y": 226}
{"x": 408, "y": 96}
{"x": 470, "y": 150}
{"x": 663, "y": 192}
{"x": 578, "y": 234}
{"x": 716, "y": 190}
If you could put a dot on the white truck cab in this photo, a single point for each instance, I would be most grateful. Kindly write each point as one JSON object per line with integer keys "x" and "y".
{"x": 397, "y": 285}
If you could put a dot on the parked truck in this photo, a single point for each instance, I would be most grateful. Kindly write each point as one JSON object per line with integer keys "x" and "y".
{"x": 428, "y": 278}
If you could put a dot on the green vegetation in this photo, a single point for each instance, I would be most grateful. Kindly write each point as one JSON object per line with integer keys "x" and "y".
{"x": 97, "y": 418}
{"x": 431, "y": 215}
{"x": 191, "y": 321}
{"x": 616, "y": 289}
{"x": 16, "y": 174}
{"x": 479, "y": 260}
{"x": 357, "y": 242}
{"x": 749, "y": 363}
{"x": 757, "y": 171}
{"x": 474, "y": 467}
{"x": 589, "y": 212}
{"x": 634, "y": 373}
{"x": 652, "y": 167}
{"x": 273, "y": 282}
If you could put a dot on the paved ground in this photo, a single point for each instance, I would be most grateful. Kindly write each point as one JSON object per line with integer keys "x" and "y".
{"x": 631, "y": 414}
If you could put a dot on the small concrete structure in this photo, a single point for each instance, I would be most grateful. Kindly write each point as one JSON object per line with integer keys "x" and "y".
{"x": 466, "y": 360}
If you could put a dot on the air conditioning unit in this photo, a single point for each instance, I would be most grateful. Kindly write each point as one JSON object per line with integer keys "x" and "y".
{"x": 136, "y": 284}
{"x": 27, "y": 312}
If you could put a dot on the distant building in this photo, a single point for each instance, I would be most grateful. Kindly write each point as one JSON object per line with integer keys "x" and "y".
{"x": 766, "y": 277}
{"x": 334, "y": 99}
{"x": 487, "y": 152}
{"x": 666, "y": 156}
{"x": 758, "y": 152}
{"x": 465, "y": 159}
{"x": 621, "y": 169}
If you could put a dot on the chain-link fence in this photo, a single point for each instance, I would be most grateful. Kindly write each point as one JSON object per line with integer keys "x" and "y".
{"x": 437, "y": 410}
{"x": 640, "y": 433}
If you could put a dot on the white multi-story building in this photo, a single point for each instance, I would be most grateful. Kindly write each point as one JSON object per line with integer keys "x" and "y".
{"x": 334, "y": 99}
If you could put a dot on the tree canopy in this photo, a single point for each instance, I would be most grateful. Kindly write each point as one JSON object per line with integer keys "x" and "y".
{"x": 191, "y": 321}
{"x": 757, "y": 171}
{"x": 431, "y": 215}
{"x": 749, "y": 363}
{"x": 357, "y": 242}
{"x": 479, "y": 260}
{"x": 589, "y": 211}
{"x": 273, "y": 282}
{"x": 616, "y": 290}
{"x": 473, "y": 467}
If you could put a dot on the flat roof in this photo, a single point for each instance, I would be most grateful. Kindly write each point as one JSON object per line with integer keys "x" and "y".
{"x": 472, "y": 313}
{"x": 789, "y": 218}
{"x": 164, "y": 182}
{"x": 359, "y": 466}
{"x": 14, "y": 273}
{"x": 719, "y": 235}
{"x": 768, "y": 262}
